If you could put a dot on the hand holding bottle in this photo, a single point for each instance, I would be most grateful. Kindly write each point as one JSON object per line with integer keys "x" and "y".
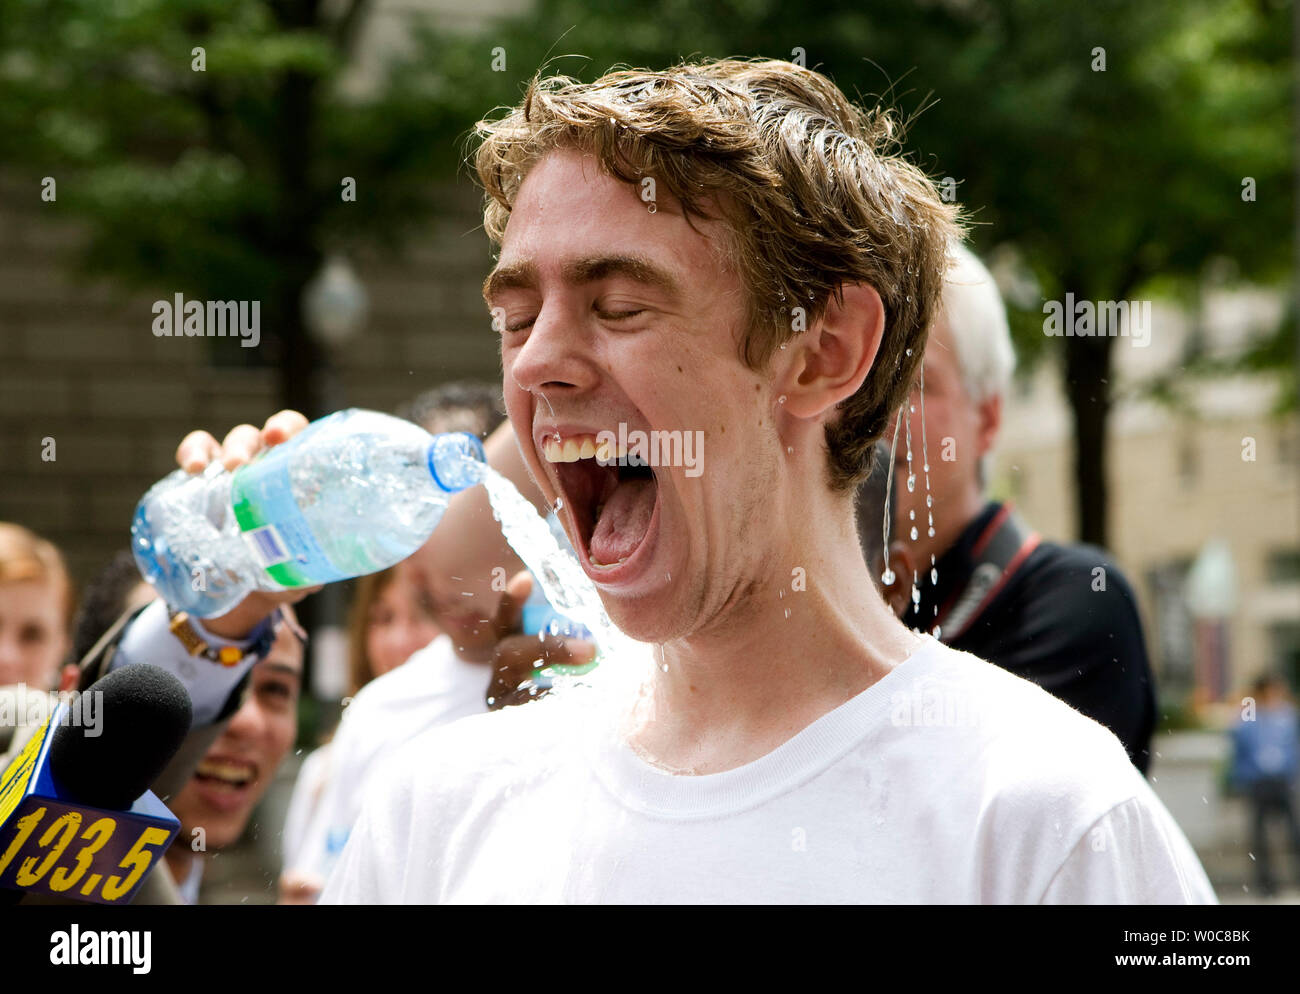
{"x": 197, "y": 450}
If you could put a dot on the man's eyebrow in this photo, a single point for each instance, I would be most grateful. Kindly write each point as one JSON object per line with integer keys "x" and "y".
{"x": 515, "y": 276}
{"x": 523, "y": 275}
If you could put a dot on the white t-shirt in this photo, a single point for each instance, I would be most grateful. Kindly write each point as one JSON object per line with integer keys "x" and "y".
{"x": 947, "y": 781}
{"x": 308, "y": 792}
{"x": 432, "y": 688}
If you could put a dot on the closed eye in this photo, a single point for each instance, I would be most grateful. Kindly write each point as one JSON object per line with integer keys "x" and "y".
{"x": 603, "y": 315}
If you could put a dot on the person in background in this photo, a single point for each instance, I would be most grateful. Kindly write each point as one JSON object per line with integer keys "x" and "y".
{"x": 36, "y": 609}
{"x": 258, "y": 725}
{"x": 116, "y": 588}
{"x": 1061, "y": 616}
{"x": 1265, "y": 760}
{"x": 215, "y": 806}
{"x": 391, "y": 619}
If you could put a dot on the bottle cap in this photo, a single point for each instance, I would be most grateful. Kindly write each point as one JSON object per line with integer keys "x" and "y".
{"x": 456, "y": 460}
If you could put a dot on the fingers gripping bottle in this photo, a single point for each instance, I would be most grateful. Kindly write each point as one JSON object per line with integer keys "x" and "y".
{"x": 352, "y": 493}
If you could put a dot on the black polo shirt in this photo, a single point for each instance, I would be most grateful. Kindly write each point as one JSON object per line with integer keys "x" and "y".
{"x": 1049, "y": 625}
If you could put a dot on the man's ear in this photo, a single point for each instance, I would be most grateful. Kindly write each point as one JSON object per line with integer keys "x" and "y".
{"x": 832, "y": 359}
{"x": 989, "y": 411}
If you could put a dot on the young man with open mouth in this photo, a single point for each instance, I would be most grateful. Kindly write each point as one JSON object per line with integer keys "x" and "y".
{"x": 730, "y": 248}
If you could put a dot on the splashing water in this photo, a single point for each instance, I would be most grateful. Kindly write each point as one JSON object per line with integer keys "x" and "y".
{"x": 911, "y": 488}
{"x": 566, "y": 586}
{"x": 887, "y": 577}
{"x": 925, "y": 467}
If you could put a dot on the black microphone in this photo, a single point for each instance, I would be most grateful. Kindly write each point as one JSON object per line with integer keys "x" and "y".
{"x": 146, "y": 716}
{"x": 77, "y": 819}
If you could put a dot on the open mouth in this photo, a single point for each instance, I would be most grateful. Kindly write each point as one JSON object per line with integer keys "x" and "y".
{"x": 611, "y": 495}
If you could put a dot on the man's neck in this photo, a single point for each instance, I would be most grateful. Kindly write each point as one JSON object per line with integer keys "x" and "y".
{"x": 809, "y": 636}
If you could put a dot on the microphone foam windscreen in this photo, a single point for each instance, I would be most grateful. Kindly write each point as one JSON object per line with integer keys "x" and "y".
{"x": 144, "y": 714}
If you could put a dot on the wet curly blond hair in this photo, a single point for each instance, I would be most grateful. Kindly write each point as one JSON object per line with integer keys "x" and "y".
{"x": 814, "y": 190}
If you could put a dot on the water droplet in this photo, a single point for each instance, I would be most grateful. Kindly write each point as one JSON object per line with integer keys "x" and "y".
{"x": 911, "y": 482}
{"x": 909, "y": 351}
{"x": 931, "y": 533}
{"x": 790, "y": 449}
{"x": 559, "y": 503}
{"x": 914, "y": 534}
{"x": 781, "y": 399}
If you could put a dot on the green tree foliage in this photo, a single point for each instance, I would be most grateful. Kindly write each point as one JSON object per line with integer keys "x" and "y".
{"x": 225, "y": 183}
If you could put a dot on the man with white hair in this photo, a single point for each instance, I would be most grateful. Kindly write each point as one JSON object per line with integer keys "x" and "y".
{"x": 1061, "y": 616}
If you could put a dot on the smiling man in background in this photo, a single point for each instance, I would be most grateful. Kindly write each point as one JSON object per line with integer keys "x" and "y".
{"x": 215, "y": 804}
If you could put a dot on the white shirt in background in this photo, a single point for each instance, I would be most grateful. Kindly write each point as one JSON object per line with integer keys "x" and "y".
{"x": 432, "y": 688}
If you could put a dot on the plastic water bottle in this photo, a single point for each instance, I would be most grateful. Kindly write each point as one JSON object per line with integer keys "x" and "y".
{"x": 352, "y": 493}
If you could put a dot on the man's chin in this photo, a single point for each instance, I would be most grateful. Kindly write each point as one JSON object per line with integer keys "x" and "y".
{"x": 643, "y": 618}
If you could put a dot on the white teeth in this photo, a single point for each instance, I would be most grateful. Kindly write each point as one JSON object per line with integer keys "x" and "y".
{"x": 610, "y": 452}
{"x": 555, "y": 449}
{"x": 226, "y": 772}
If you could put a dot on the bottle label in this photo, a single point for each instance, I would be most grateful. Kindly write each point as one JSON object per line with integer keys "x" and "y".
{"x": 281, "y": 541}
